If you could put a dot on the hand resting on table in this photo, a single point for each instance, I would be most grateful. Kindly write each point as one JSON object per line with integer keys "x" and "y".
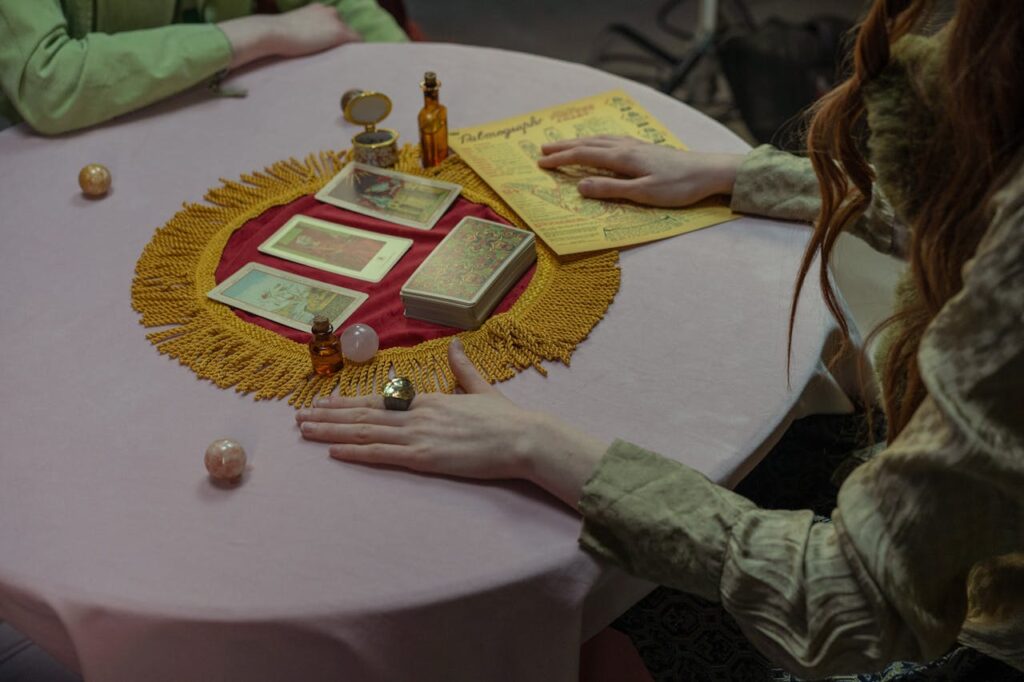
{"x": 650, "y": 174}
{"x": 482, "y": 434}
{"x": 303, "y": 31}
{"x": 477, "y": 434}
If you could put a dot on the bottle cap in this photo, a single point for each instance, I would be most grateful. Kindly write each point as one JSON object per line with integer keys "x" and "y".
{"x": 430, "y": 81}
{"x": 322, "y": 325}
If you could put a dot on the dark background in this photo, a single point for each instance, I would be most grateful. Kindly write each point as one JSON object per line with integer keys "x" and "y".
{"x": 576, "y": 30}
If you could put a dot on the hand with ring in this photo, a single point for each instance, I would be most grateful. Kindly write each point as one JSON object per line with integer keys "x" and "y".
{"x": 476, "y": 434}
{"x": 398, "y": 394}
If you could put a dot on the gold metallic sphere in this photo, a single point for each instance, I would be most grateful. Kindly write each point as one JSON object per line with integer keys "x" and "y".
{"x": 94, "y": 180}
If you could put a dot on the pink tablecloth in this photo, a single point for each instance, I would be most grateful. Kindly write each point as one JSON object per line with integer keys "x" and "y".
{"x": 119, "y": 557}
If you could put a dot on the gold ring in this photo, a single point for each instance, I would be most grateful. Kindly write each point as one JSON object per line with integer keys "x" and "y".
{"x": 398, "y": 394}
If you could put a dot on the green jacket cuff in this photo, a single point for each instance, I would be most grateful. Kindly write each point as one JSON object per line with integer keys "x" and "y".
{"x": 776, "y": 184}
{"x": 659, "y": 519}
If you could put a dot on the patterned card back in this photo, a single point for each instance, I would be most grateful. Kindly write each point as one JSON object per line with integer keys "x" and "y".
{"x": 467, "y": 261}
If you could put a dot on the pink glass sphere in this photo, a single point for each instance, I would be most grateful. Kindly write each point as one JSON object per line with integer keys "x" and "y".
{"x": 359, "y": 343}
{"x": 225, "y": 460}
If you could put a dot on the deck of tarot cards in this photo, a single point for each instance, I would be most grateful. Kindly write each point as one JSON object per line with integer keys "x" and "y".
{"x": 470, "y": 271}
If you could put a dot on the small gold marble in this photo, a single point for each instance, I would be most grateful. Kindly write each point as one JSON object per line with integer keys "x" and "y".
{"x": 94, "y": 180}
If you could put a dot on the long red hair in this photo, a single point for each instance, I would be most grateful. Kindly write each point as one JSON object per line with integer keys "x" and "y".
{"x": 969, "y": 156}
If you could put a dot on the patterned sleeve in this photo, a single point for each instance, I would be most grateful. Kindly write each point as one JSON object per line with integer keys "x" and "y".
{"x": 927, "y": 542}
{"x": 777, "y": 184}
{"x": 795, "y": 587}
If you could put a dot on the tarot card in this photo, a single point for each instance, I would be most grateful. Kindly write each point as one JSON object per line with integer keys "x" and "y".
{"x": 396, "y": 197}
{"x": 336, "y": 248}
{"x": 467, "y": 262}
{"x": 285, "y": 298}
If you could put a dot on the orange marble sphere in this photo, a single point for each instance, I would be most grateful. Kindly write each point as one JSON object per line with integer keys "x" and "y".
{"x": 94, "y": 180}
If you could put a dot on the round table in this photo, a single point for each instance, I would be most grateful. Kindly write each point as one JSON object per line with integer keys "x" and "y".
{"x": 117, "y": 554}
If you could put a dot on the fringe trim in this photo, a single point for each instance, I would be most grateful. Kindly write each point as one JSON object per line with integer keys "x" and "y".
{"x": 564, "y": 301}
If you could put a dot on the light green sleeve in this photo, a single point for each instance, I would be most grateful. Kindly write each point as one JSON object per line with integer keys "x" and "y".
{"x": 365, "y": 17}
{"x": 778, "y": 184}
{"x": 58, "y": 83}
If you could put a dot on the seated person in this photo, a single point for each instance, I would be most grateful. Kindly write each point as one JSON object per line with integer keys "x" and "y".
{"x": 68, "y": 64}
{"x": 926, "y": 545}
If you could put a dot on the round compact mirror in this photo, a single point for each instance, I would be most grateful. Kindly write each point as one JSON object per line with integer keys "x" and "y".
{"x": 367, "y": 108}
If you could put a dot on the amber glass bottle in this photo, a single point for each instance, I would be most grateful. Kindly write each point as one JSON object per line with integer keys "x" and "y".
{"x": 325, "y": 347}
{"x": 433, "y": 122}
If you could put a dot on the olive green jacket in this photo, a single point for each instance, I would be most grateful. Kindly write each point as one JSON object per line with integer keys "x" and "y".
{"x": 926, "y": 545}
{"x": 67, "y": 64}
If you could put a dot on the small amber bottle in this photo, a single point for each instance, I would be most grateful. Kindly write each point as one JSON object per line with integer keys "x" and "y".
{"x": 325, "y": 347}
{"x": 433, "y": 120}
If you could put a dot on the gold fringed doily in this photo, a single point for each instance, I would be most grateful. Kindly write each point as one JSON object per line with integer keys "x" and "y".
{"x": 562, "y": 303}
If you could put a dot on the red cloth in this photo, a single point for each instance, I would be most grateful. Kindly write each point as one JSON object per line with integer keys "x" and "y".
{"x": 383, "y": 309}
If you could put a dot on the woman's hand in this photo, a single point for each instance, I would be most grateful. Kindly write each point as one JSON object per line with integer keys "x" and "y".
{"x": 651, "y": 174}
{"x": 303, "y": 31}
{"x": 310, "y": 29}
{"x": 479, "y": 434}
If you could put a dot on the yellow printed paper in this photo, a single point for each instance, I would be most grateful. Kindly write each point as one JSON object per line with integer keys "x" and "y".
{"x": 505, "y": 155}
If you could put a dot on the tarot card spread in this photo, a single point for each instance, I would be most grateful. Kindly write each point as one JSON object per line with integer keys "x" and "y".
{"x": 336, "y": 248}
{"x": 505, "y": 155}
{"x": 395, "y": 197}
{"x": 285, "y": 298}
{"x": 467, "y": 274}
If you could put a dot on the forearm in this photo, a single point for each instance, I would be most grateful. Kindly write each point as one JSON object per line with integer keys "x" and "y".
{"x": 251, "y": 38}
{"x": 803, "y": 597}
{"x": 721, "y": 171}
{"x": 365, "y": 17}
{"x": 776, "y": 184}
{"x": 659, "y": 519}
{"x": 58, "y": 83}
{"x": 559, "y": 459}
{"x": 794, "y": 586}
